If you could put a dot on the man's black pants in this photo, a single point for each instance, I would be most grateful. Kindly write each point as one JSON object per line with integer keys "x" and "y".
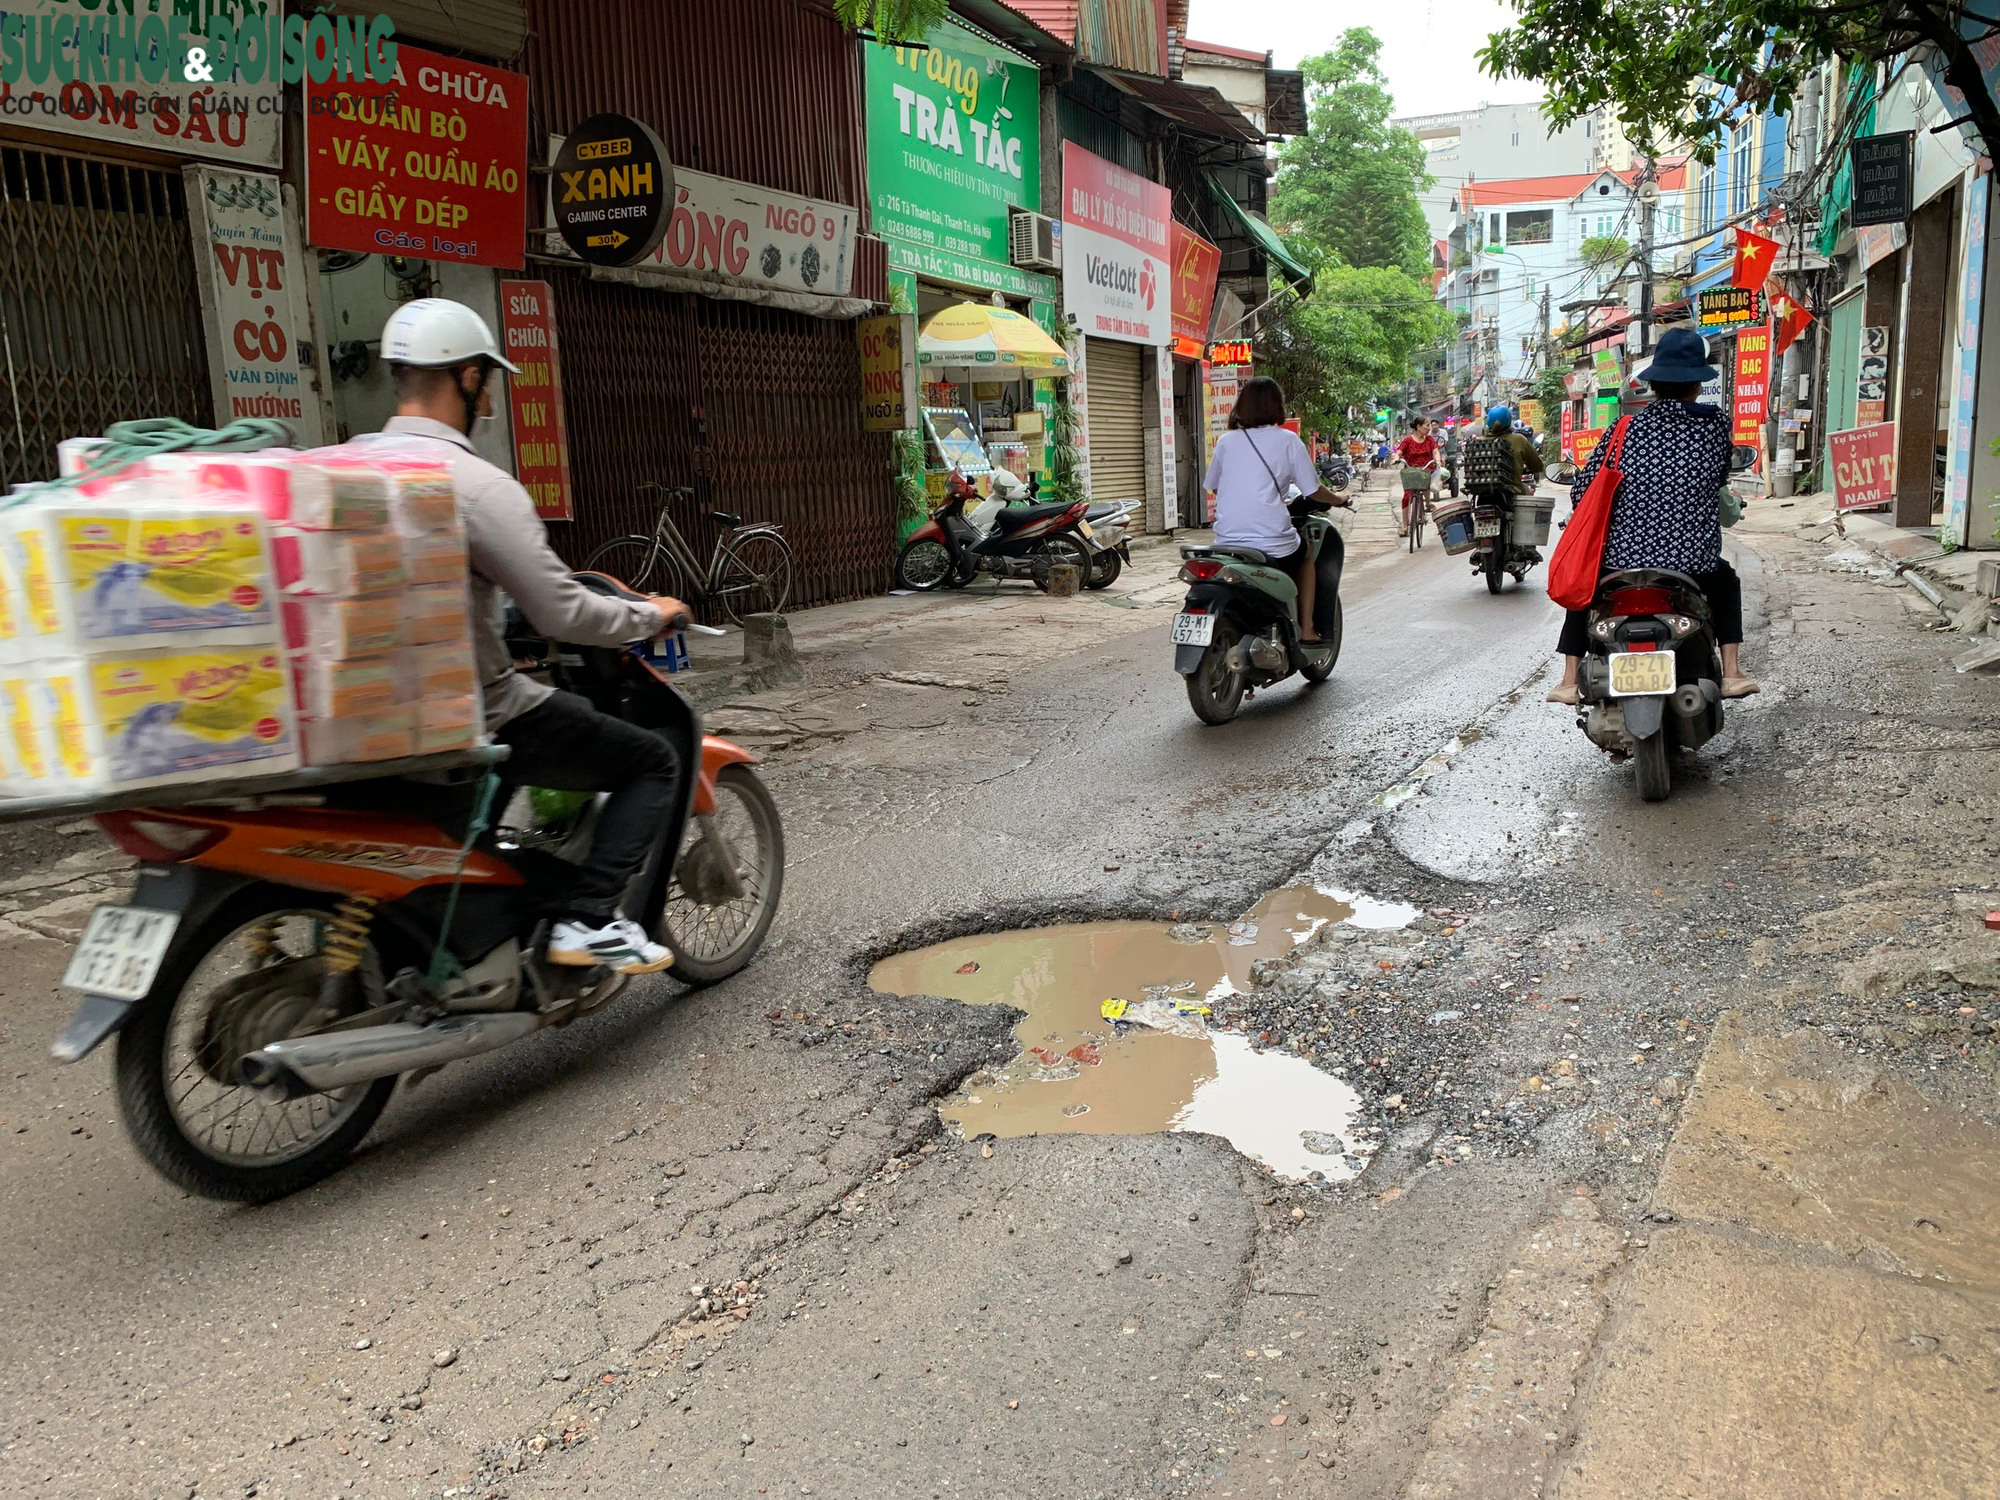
{"x": 1722, "y": 588}
{"x": 568, "y": 746}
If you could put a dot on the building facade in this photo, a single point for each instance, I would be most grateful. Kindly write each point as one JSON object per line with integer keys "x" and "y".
{"x": 1494, "y": 142}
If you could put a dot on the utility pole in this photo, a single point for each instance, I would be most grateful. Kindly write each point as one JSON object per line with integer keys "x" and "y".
{"x": 1548, "y": 355}
{"x": 1649, "y": 200}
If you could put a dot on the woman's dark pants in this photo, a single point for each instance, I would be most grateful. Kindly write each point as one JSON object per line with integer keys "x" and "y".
{"x": 1722, "y": 588}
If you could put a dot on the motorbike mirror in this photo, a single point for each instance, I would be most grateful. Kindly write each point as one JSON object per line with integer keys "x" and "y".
{"x": 1742, "y": 458}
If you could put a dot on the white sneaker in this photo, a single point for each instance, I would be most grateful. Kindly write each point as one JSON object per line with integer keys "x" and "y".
{"x": 620, "y": 944}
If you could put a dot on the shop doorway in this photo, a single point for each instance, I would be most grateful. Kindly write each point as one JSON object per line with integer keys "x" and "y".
{"x": 1924, "y": 389}
{"x": 1114, "y": 374}
{"x": 100, "y": 314}
{"x": 1190, "y": 453}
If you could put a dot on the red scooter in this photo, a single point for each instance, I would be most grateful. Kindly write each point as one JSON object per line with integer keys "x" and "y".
{"x": 1025, "y": 541}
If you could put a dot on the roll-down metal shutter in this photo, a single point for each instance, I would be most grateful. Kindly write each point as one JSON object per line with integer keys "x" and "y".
{"x": 1117, "y": 422}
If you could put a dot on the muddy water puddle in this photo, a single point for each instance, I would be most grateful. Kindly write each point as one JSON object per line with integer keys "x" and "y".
{"x": 1115, "y": 1037}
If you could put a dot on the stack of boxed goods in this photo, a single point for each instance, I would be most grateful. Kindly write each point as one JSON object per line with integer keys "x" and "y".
{"x": 371, "y": 566}
{"x": 197, "y": 617}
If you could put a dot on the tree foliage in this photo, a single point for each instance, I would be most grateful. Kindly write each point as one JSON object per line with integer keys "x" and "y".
{"x": 1643, "y": 57}
{"x": 892, "y": 20}
{"x": 1351, "y": 342}
{"x": 1350, "y": 184}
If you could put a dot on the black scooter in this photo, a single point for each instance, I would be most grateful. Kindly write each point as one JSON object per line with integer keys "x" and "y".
{"x": 1653, "y": 677}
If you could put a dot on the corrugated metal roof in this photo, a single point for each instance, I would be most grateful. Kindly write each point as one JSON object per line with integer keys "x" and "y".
{"x": 1221, "y": 51}
{"x": 485, "y": 28}
{"x": 1193, "y": 105}
{"x": 1056, "y": 17}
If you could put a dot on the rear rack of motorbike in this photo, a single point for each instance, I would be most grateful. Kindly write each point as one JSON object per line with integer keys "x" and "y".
{"x": 241, "y": 793}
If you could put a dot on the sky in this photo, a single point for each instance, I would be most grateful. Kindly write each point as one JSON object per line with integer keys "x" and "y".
{"x": 1427, "y": 45}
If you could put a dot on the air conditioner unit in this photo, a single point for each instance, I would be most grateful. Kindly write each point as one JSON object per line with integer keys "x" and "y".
{"x": 1034, "y": 241}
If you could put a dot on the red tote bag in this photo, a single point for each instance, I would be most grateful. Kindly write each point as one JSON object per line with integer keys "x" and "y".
{"x": 1579, "y": 555}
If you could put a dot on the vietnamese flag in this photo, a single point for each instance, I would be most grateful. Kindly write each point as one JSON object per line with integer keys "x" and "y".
{"x": 1791, "y": 319}
{"x": 1755, "y": 256}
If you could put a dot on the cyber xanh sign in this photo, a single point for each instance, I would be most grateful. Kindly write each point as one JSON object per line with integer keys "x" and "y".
{"x": 58, "y": 42}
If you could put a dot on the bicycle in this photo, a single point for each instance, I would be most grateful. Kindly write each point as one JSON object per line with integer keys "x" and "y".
{"x": 1416, "y": 506}
{"x": 748, "y": 573}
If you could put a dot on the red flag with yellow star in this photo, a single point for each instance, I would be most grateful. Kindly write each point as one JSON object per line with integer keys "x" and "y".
{"x": 1755, "y": 256}
{"x": 1790, "y": 318}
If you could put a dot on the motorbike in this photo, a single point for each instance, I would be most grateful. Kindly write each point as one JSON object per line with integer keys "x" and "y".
{"x": 1652, "y": 680}
{"x": 1105, "y": 534}
{"x": 1238, "y": 629}
{"x": 1024, "y": 541}
{"x": 1496, "y": 553}
{"x": 288, "y": 957}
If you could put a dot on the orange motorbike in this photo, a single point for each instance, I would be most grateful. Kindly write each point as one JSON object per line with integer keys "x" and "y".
{"x": 288, "y": 955}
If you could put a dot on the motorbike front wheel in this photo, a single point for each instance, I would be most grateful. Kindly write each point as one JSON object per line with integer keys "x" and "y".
{"x": 924, "y": 564}
{"x": 1214, "y": 688}
{"x": 251, "y": 975}
{"x": 714, "y": 930}
{"x": 1653, "y": 767}
{"x": 1105, "y": 567}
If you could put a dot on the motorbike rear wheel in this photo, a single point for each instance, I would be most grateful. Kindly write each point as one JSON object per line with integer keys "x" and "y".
{"x": 1496, "y": 562}
{"x": 1653, "y": 767}
{"x": 1214, "y": 688}
{"x": 1062, "y": 549}
{"x": 190, "y": 1117}
{"x": 712, "y": 933}
{"x": 1105, "y": 567}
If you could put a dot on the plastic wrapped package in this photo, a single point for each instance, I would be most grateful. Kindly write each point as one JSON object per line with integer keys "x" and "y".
{"x": 447, "y": 724}
{"x": 435, "y": 614}
{"x": 332, "y": 687}
{"x": 308, "y": 493}
{"x": 442, "y": 669}
{"x": 339, "y": 562}
{"x": 384, "y": 734}
{"x": 422, "y": 496}
{"x": 434, "y": 556}
{"x": 334, "y": 627}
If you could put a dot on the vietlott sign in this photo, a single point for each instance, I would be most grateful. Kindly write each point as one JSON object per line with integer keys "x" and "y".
{"x": 954, "y": 140}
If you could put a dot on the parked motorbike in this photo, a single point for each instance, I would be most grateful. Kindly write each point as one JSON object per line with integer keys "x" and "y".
{"x": 1023, "y": 541}
{"x": 292, "y": 955}
{"x": 1239, "y": 630}
{"x": 1652, "y": 680}
{"x": 1110, "y": 548}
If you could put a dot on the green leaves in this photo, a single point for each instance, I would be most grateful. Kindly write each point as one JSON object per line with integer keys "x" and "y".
{"x": 1353, "y": 340}
{"x": 892, "y": 20}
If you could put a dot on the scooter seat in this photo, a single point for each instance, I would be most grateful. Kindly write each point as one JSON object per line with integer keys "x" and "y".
{"x": 1014, "y": 517}
{"x": 1241, "y": 554}
{"x": 1103, "y": 510}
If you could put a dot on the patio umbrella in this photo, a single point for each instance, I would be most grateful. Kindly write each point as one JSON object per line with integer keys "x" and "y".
{"x": 979, "y": 342}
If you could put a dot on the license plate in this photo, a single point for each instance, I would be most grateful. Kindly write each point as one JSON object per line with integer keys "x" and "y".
{"x": 1193, "y": 630}
{"x": 1642, "y": 674}
{"x": 1486, "y": 528}
{"x": 121, "y": 951}
{"x": 1084, "y": 527}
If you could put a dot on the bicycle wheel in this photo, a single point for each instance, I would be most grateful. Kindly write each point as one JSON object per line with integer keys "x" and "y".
{"x": 754, "y": 576}
{"x": 631, "y": 560}
{"x": 1419, "y": 509}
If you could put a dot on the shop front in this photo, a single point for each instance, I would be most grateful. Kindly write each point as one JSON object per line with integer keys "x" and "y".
{"x": 101, "y": 296}
{"x": 1196, "y": 264}
{"x": 1117, "y": 237}
{"x": 954, "y": 146}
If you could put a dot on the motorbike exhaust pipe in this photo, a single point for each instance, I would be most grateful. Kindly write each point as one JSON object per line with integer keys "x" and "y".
{"x": 1690, "y": 701}
{"x": 334, "y": 1059}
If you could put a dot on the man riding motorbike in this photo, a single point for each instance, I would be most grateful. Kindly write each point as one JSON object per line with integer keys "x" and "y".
{"x": 442, "y": 357}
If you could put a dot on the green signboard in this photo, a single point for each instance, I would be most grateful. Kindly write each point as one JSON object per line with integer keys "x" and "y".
{"x": 954, "y": 138}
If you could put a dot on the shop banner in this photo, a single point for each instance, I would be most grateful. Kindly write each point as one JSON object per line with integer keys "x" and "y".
{"x": 1965, "y": 383}
{"x": 748, "y": 235}
{"x": 1580, "y": 383}
{"x": 1196, "y": 263}
{"x": 433, "y": 163}
{"x": 1116, "y": 239}
{"x": 1864, "y": 466}
{"x": 1220, "y": 388}
{"x": 1753, "y": 378}
{"x": 954, "y": 139}
{"x": 1724, "y": 309}
{"x": 1568, "y": 448}
{"x": 541, "y": 431}
{"x": 1583, "y": 444}
{"x": 1170, "y": 487}
{"x": 221, "y": 117}
{"x": 1871, "y": 385}
{"x": 1610, "y": 367}
{"x": 1531, "y": 414}
{"x": 888, "y": 372}
{"x": 251, "y": 271}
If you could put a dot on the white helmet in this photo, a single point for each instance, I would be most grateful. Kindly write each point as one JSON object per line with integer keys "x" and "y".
{"x": 433, "y": 333}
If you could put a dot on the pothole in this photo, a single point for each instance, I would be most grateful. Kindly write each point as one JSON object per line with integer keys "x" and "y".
{"x": 1115, "y": 1037}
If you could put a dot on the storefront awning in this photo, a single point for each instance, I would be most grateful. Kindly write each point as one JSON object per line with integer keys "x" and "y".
{"x": 1192, "y": 106}
{"x": 1262, "y": 235}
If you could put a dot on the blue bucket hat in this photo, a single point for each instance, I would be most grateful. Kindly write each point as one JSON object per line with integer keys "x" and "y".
{"x": 1681, "y": 359}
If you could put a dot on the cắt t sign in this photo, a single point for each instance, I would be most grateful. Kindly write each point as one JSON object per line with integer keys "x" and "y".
{"x": 1864, "y": 466}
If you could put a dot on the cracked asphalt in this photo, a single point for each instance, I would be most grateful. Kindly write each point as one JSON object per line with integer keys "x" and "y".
{"x": 716, "y": 1244}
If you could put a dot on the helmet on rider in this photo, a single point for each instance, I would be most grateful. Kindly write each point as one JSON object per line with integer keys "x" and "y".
{"x": 1499, "y": 419}
{"x": 434, "y": 333}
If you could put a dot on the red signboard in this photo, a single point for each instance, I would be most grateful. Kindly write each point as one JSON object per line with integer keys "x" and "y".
{"x": 1568, "y": 449}
{"x": 1583, "y": 444}
{"x": 432, "y": 164}
{"x": 1753, "y": 384}
{"x": 541, "y": 434}
{"x": 1195, "y": 263}
{"x": 1864, "y": 466}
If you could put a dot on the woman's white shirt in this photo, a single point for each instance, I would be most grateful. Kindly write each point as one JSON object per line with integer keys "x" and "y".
{"x": 1249, "y": 508}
